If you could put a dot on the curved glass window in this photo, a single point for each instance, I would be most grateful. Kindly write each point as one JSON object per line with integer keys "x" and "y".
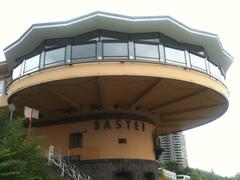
{"x": 31, "y": 64}
{"x": 84, "y": 51}
{"x": 115, "y": 49}
{"x": 2, "y": 87}
{"x": 214, "y": 70}
{"x": 17, "y": 71}
{"x": 104, "y": 44}
{"x": 147, "y": 51}
{"x": 198, "y": 62}
{"x": 54, "y": 57}
{"x": 175, "y": 56}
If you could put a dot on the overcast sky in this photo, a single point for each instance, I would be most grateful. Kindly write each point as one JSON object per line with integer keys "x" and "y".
{"x": 215, "y": 146}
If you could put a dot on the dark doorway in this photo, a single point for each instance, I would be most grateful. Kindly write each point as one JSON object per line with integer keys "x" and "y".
{"x": 123, "y": 176}
{"x": 149, "y": 176}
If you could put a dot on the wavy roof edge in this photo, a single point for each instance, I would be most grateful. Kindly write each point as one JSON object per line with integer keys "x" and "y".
{"x": 163, "y": 24}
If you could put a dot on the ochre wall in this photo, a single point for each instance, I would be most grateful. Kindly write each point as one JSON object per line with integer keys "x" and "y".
{"x": 102, "y": 143}
{"x": 3, "y": 101}
{"x": 118, "y": 68}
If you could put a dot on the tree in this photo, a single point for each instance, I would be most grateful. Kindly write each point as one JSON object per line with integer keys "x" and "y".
{"x": 20, "y": 157}
{"x": 237, "y": 176}
{"x": 174, "y": 166}
{"x": 7, "y": 164}
{"x": 195, "y": 174}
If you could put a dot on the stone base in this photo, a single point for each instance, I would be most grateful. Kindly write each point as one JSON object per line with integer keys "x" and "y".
{"x": 121, "y": 169}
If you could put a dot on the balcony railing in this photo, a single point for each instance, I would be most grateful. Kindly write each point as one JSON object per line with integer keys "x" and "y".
{"x": 116, "y": 50}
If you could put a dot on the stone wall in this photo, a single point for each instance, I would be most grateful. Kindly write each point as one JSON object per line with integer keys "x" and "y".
{"x": 111, "y": 169}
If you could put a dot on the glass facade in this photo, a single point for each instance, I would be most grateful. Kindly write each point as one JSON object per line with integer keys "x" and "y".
{"x": 103, "y": 45}
{"x": 147, "y": 51}
{"x": 115, "y": 49}
{"x": 198, "y": 62}
{"x": 83, "y": 51}
{"x": 54, "y": 57}
{"x": 214, "y": 70}
{"x": 32, "y": 64}
{"x": 17, "y": 71}
{"x": 175, "y": 56}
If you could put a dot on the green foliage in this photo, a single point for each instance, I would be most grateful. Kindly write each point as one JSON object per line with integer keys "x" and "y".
{"x": 237, "y": 176}
{"x": 20, "y": 157}
{"x": 161, "y": 175}
{"x": 195, "y": 174}
{"x": 7, "y": 164}
{"x": 174, "y": 166}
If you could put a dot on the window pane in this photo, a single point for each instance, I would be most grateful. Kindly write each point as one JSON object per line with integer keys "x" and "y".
{"x": 56, "y": 56}
{"x": 32, "y": 64}
{"x": 198, "y": 62}
{"x": 147, "y": 37}
{"x": 1, "y": 87}
{"x": 111, "y": 35}
{"x": 146, "y": 51}
{"x": 17, "y": 71}
{"x": 214, "y": 70}
{"x": 115, "y": 49}
{"x": 84, "y": 51}
{"x": 75, "y": 140}
{"x": 174, "y": 56}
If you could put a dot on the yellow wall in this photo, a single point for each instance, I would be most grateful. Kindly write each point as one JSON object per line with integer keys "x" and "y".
{"x": 102, "y": 143}
{"x": 3, "y": 101}
{"x": 118, "y": 68}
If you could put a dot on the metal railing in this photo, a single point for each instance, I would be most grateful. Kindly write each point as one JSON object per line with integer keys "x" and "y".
{"x": 123, "y": 51}
{"x": 66, "y": 167}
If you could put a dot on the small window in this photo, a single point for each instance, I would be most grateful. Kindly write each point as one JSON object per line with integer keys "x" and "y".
{"x": 75, "y": 140}
{"x": 122, "y": 141}
{"x": 55, "y": 57}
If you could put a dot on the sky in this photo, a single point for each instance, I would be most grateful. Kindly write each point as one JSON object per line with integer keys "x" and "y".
{"x": 215, "y": 146}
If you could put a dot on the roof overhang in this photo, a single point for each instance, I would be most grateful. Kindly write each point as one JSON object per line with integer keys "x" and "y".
{"x": 37, "y": 33}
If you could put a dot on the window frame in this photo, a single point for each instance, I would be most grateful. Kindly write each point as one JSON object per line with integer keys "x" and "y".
{"x": 83, "y": 43}
{"x": 33, "y": 69}
{"x": 58, "y": 63}
{"x": 72, "y": 144}
{"x": 115, "y": 42}
{"x": 145, "y": 57}
{"x": 173, "y": 62}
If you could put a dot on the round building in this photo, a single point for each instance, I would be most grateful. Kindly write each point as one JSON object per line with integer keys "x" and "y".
{"x": 107, "y": 85}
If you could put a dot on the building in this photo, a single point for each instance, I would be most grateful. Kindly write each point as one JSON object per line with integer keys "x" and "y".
{"x": 174, "y": 147}
{"x": 108, "y": 85}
